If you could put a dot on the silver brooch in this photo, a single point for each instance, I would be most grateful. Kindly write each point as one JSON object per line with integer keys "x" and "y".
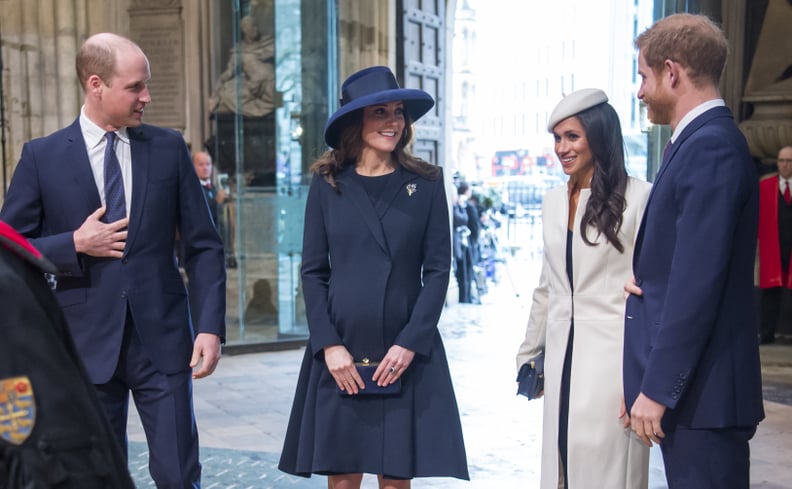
{"x": 411, "y": 188}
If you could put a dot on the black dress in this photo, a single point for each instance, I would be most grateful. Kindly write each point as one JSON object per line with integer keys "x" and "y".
{"x": 563, "y": 414}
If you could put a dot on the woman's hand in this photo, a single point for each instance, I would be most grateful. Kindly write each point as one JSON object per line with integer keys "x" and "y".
{"x": 342, "y": 367}
{"x": 393, "y": 365}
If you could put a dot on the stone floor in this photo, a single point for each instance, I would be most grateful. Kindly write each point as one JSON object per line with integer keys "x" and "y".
{"x": 242, "y": 408}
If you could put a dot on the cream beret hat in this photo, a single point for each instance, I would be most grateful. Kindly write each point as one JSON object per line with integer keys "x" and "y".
{"x": 575, "y": 103}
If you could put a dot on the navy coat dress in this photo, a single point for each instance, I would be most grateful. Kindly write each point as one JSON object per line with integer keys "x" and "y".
{"x": 386, "y": 285}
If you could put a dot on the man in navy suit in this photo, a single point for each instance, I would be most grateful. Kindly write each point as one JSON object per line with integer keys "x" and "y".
{"x": 118, "y": 283}
{"x": 692, "y": 378}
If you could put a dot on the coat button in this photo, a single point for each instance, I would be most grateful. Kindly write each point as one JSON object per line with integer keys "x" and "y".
{"x": 123, "y": 294}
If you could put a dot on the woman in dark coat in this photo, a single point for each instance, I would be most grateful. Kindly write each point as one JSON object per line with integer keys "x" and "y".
{"x": 375, "y": 271}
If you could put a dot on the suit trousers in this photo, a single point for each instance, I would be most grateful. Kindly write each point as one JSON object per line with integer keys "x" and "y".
{"x": 713, "y": 459}
{"x": 164, "y": 403}
{"x": 771, "y": 312}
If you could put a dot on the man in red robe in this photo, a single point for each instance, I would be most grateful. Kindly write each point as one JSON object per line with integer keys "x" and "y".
{"x": 775, "y": 242}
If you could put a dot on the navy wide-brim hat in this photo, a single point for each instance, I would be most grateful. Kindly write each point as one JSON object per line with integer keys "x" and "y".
{"x": 371, "y": 86}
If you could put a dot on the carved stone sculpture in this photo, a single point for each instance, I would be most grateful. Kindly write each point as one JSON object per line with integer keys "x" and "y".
{"x": 247, "y": 86}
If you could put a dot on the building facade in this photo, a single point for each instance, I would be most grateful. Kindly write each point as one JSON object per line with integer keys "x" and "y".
{"x": 253, "y": 81}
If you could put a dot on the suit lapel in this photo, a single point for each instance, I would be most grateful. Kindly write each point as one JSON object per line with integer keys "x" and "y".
{"x": 392, "y": 192}
{"x": 80, "y": 171}
{"x": 694, "y": 126}
{"x": 139, "y": 149}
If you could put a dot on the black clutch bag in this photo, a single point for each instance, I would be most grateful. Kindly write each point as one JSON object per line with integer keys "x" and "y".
{"x": 366, "y": 371}
{"x": 530, "y": 378}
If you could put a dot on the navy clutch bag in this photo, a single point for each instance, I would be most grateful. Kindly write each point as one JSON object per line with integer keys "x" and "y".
{"x": 530, "y": 378}
{"x": 366, "y": 371}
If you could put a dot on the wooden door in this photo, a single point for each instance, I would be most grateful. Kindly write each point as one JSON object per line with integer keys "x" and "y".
{"x": 420, "y": 64}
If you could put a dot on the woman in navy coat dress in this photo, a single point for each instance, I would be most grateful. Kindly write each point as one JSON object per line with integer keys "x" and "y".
{"x": 375, "y": 271}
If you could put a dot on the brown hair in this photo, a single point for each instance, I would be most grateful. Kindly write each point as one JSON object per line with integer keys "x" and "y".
{"x": 350, "y": 147}
{"x": 693, "y": 41}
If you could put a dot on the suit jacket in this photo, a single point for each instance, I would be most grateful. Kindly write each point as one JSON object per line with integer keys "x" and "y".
{"x": 51, "y": 194}
{"x": 211, "y": 200}
{"x": 690, "y": 339}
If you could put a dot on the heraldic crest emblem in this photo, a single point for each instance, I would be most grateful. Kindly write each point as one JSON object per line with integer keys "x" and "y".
{"x": 17, "y": 409}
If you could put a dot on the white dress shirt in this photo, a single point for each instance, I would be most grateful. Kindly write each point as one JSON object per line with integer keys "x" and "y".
{"x": 95, "y": 143}
{"x": 782, "y": 184}
{"x": 697, "y": 111}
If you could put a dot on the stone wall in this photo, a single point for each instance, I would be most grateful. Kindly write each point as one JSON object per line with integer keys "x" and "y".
{"x": 40, "y": 40}
{"x": 768, "y": 87}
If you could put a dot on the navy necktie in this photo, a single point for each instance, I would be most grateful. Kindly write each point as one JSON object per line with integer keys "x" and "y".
{"x": 114, "y": 183}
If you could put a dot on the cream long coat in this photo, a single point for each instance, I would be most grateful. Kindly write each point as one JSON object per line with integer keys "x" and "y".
{"x": 602, "y": 453}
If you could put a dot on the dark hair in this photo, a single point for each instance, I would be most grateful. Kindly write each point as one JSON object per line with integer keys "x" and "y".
{"x": 606, "y": 205}
{"x": 693, "y": 41}
{"x": 350, "y": 147}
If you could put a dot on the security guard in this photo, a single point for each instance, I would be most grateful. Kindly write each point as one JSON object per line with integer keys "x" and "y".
{"x": 52, "y": 430}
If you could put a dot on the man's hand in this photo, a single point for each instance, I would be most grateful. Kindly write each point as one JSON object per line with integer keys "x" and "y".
{"x": 645, "y": 417}
{"x": 95, "y": 238}
{"x": 631, "y": 288}
{"x": 206, "y": 351}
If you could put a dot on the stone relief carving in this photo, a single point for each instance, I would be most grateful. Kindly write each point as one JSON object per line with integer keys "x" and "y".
{"x": 152, "y": 4}
{"x": 247, "y": 85}
{"x": 769, "y": 85}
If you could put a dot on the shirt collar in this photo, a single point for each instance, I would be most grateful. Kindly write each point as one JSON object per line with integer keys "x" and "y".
{"x": 697, "y": 111}
{"x": 94, "y": 135}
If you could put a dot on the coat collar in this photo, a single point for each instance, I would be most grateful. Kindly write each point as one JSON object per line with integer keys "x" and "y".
{"x": 357, "y": 194}
{"x": 695, "y": 125}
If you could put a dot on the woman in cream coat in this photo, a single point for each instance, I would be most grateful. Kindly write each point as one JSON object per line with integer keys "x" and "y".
{"x": 577, "y": 315}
